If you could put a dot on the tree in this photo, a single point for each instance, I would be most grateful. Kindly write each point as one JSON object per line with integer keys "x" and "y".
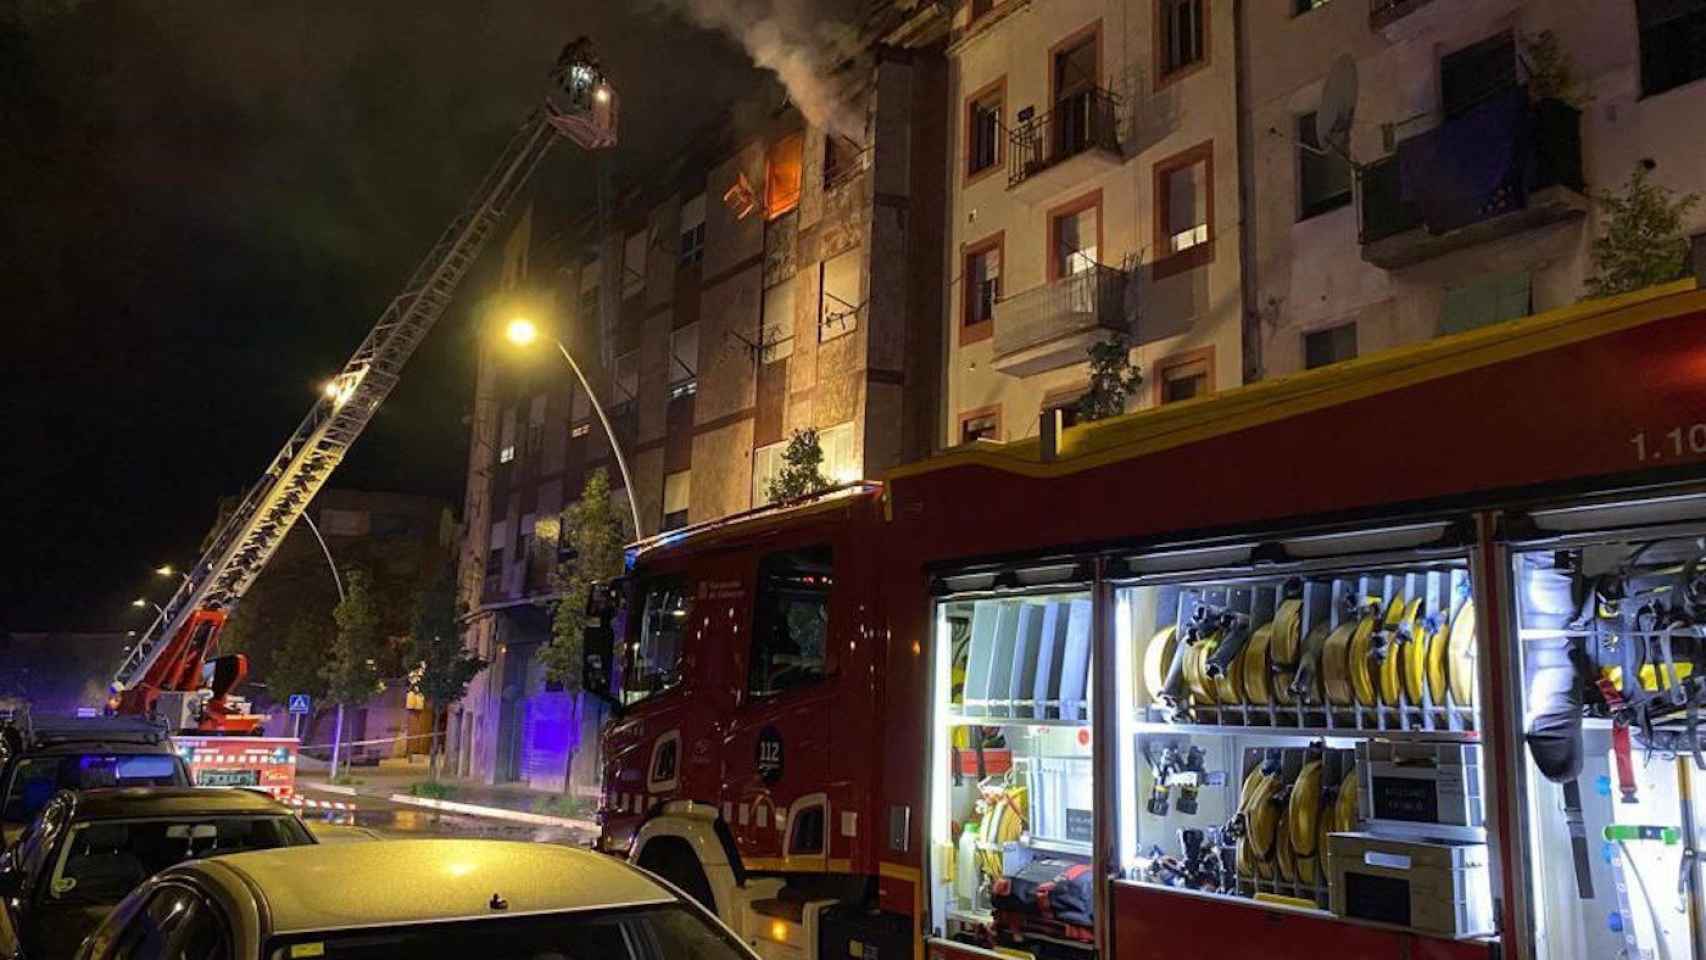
{"x": 1643, "y": 243}
{"x": 351, "y": 667}
{"x": 1551, "y": 72}
{"x": 444, "y": 667}
{"x": 1113, "y": 379}
{"x": 801, "y": 474}
{"x": 296, "y": 666}
{"x": 591, "y": 540}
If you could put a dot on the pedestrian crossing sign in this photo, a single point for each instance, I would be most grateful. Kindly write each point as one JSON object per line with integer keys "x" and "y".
{"x": 299, "y": 703}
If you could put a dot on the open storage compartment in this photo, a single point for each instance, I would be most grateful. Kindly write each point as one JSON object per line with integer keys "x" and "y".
{"x": 1306, "y": 734}
{"x": 1012, "y": 786}
{"x": 1611, "y": 640}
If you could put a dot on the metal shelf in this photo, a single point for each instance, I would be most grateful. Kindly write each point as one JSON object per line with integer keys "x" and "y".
{"x": 1076, "y": 848}
{"x": 1310, "y": 733}
{"x": 961, "y": 720}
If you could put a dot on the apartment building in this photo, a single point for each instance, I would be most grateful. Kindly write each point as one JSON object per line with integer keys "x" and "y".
{"x": 770, "y": 282}
{"x": 1094, "y": 193}
{"x": 1466, "y": 197}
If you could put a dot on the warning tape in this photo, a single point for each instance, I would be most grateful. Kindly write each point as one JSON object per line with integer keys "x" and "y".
{"x": 312, "y": 804}
{"x": 368, "y": 743}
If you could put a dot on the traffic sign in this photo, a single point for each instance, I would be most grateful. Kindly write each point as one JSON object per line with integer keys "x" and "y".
{"x": 299, "y": 703}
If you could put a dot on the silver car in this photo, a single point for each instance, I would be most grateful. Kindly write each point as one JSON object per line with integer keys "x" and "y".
{"x": 418, "y": 899}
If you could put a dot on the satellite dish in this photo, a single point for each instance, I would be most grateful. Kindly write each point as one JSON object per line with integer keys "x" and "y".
{"x": 1338, "y": 106}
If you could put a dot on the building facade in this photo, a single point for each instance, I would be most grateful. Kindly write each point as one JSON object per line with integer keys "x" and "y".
{"x": 1094, "y": 194}
{"x": 1466, "y": 198}
{"x": 772, "y": 282}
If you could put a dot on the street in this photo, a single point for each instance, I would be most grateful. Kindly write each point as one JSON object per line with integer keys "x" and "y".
{"x": 378, "y": 818}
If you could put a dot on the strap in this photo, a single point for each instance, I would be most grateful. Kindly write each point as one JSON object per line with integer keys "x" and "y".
{"x": 1578, "y": 838}
{"x": 1625, "y": 763}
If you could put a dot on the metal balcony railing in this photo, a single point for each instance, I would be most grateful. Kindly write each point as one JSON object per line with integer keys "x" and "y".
{"x": 1080, "y": 122}
{"x": 1087, "y": 300}
{"x": 1550, "y": 156}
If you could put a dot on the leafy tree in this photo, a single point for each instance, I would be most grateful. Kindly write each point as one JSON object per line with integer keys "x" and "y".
{"x": 1643, "y": 242}
{"x": 802, "y": 468}
{"x": 1113, "y": 379}
{"x": 593, "y": 534}
{"x": 1551, "y": 72}
{"x": 350, "y": 665}
{"x": 444, "y": 667}
{"x": 296, "y": 667}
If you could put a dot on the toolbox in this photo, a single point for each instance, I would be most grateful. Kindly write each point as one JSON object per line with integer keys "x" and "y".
{"x": 1440, "y": 887}
{"x": 1420, "y": 789}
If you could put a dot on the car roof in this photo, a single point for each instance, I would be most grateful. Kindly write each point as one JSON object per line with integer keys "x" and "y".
{"x": 343, "y": 885}
{"x": 124, "y": 803}
{"x": 50, "y": 728}
{"x": 77, "y": 745}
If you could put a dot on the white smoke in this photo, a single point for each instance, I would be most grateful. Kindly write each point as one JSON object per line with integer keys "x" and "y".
{"x": 800, "y": 41}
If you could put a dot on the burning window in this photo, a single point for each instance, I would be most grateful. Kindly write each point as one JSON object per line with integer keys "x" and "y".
{"x": 783, "y": 176}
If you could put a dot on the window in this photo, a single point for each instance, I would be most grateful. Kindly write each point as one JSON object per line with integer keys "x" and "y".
{"x": 1181, "y": 36}
{"x": 1066, "y": 402}
{"x": 981, "y": 424}
{"x": 627, "y": 377}
{"x": 1184, "y": 376}
{"x": 783, "y": 175}
{"x": 1301, "y": 7}
{"x": 981, "y": 288}
{"x": 692, "y": 247}
{"x": 102, "y": 861}
{"x": 683, "y": 360}
{"x": 1074, "y": 236}
{"x": 1673, "y": 43}
{"x": 677, "y": 493}
{"x": 1184, "y": 217}
{"x": 1478, "y": 71}
{"x": 634, "y": 265}
{"x": 589, "y": 305}
{"x": 343, "y": 523}
{"x": 790, "y": 632}
{"x": 766, "y": 464}
{"x": 34, "y": 780}
{"x": 776, "y": 336}
{"x": 655, "y": 659}
{"x": 1323, "y": 347}
{"x": 842, "y": 159}
{"x": 983, "y": 128}
{"x": 1323, "y": 178}
{"x": 838, "y": 302}
{"x": 1075, "y": 73}
{"x": 840, "y": 460}
{"x": 1485, "y": 301}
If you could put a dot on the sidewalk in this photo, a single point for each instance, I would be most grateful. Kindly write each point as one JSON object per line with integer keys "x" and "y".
{"x": 392, "y": 779}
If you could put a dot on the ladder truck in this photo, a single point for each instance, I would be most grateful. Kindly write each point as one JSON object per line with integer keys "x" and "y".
{"x": 173, "y": 674}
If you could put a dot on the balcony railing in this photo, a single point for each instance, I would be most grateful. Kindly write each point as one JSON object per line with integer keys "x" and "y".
{"x": 1080, "y": 122}
{"x": 1539, "y": 185}
{"x": 1050, "y": 326}
{"x": 1383, "y": 12}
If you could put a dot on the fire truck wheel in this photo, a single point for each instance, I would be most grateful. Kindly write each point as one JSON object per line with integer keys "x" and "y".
{"x": 673, "y": 860}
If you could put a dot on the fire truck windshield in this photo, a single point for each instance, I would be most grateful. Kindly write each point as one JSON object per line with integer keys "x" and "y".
{"x": 654, "y": 662}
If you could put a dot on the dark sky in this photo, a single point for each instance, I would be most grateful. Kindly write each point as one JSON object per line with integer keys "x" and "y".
{"x": 203, "y": 206}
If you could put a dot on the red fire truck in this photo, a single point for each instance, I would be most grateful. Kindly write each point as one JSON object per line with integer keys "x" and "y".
{"x": 1398, "y": 658}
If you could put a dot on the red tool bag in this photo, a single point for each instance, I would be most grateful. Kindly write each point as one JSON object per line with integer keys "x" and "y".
{"x": 1056, "y": 890}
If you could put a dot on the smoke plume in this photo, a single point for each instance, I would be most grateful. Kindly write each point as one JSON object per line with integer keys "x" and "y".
{"x": 800, "y": 41}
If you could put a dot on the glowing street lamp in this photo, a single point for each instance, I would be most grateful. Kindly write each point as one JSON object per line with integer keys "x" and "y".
{"x": 522, "y": 332}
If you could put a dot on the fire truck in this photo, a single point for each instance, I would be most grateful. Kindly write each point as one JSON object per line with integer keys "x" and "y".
{"x": 172, "y": 673}
{"x": 1397, "y": 658}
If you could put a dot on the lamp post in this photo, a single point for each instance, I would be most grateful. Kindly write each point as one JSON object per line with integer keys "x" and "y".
{"x": 523, "y": 332}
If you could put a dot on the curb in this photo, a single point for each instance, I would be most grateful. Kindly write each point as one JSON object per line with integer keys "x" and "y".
{"x": 329, "y": 788}
{"x": 495, "y": 813}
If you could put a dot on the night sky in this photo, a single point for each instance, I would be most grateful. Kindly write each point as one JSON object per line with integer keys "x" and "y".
{"x": 203, "y": 207}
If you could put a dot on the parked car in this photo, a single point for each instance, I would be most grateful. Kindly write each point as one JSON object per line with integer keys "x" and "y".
{"x": 420, "y": 899}
{"x": 43, "y": 756}
{"x": 87, "y": 849}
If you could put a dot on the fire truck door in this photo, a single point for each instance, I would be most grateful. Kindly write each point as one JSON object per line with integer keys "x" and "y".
{"x": 776, "y": 754}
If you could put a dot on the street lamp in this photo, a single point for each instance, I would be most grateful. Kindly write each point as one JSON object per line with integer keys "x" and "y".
{"x": 167, "y": 570}
{"x": 523, "y": 332}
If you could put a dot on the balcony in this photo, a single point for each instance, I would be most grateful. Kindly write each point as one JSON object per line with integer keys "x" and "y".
{"x": 1083, "y": 124}
{"x": 1465, "y": 189}
{"x": 1053, "y": 325}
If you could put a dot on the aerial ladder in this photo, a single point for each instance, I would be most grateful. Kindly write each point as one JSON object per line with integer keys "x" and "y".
{"x": 172, "y": 673}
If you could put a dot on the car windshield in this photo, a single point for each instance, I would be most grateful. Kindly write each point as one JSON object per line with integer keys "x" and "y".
{"x": 103, "y": 860}
{"x": 661, "y": 932}
{"x": 36, "y": 779}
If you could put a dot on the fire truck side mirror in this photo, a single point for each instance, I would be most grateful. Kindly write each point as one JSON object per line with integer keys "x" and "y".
{"x": 598, "y": 641}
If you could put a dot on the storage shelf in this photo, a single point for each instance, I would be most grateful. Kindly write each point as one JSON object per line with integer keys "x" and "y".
{"x": 961, "y": 720}
{"x": 1077, "y": 848}
{"x": 1312, "y": 733}
{"x": 1425, "y": 722}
